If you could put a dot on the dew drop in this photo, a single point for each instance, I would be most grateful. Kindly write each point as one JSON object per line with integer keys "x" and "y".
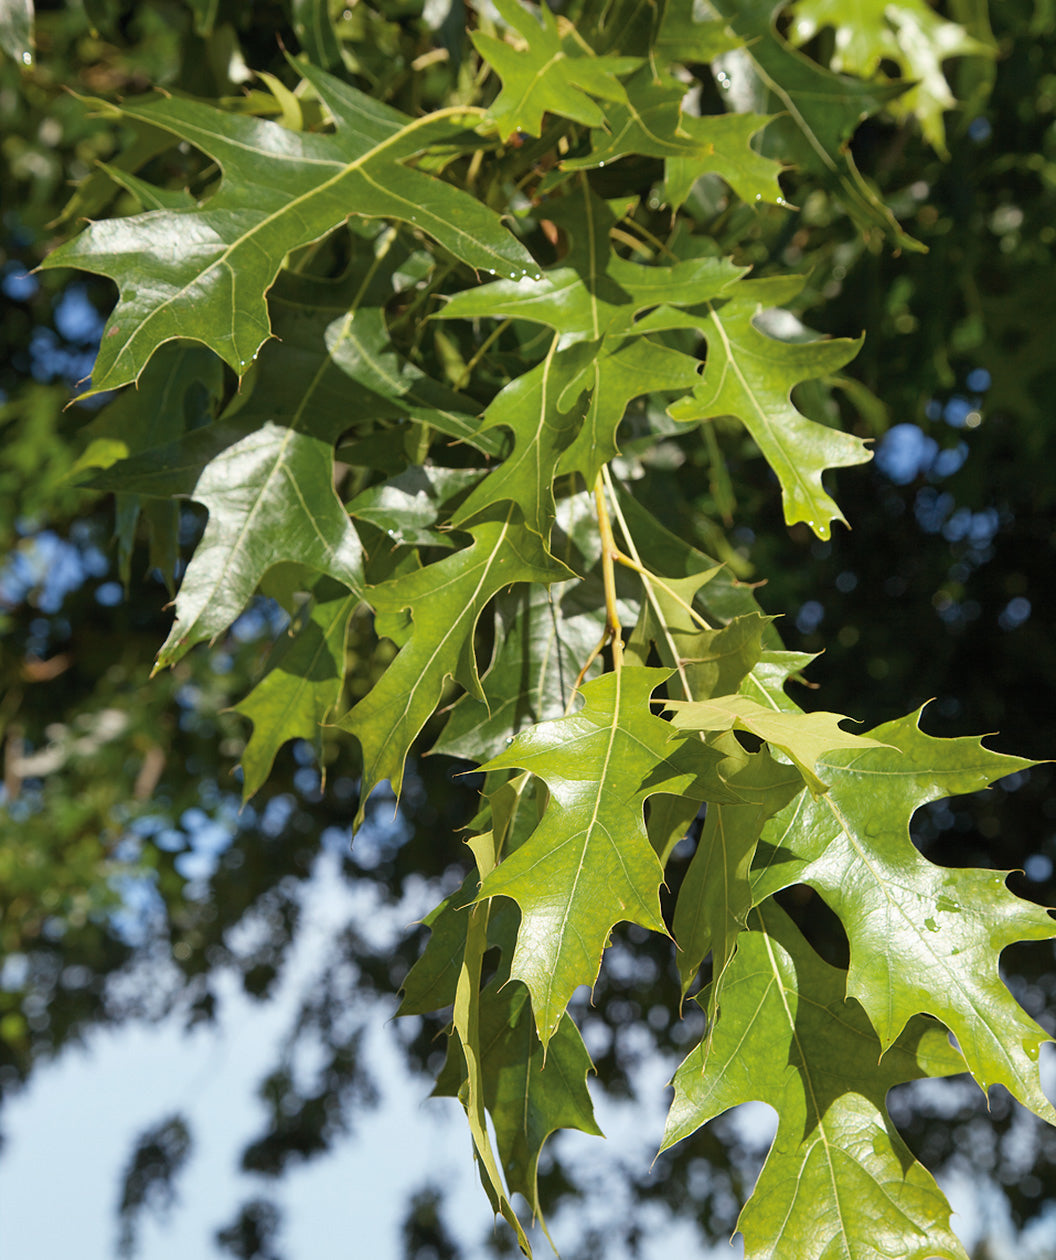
{"x": 601, "y": 163}
{"x": 27, "y": 57}
{"x": 1032, "y": 1050}
{"x": 781, "y": 201}
{"x": 758, "y": 196}
{"x": 509, "y": 740}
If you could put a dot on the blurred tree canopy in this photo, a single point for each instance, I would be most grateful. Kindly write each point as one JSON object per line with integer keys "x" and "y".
{"x": 124, "y": 854}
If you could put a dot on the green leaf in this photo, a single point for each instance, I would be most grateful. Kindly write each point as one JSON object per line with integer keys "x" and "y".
{"x": 907, "y": 32}
{"x": 178, "y": 392}
{"x": 595, "y": 292}
{"x": 542, "y": 638}
{"x": 550, "y": 72}
{"x": 589, "y": 863}
{"x": 613, "y": 374}
{"x": 466, "y": 1022}
{"x": 529, "y": 1093}
{"x": 512, "y": 812}
{"x": 751, "y": 376}
{"x": 804, "y": 737}
{"x": 303, "y": 685}
{"x": 686, "y": 36}
{"x": 820, "y": 111}
{"x": 444, "y": 601}
{"x": 716, "y": 893}
{"x": 650, "y": 121}
{"x": 669, "y": 555}
{"x": 922, "y": 937}
{"x": 311, "y": 22}
{"x": 529, "y": 407}
{"x": 208, "y": 269}
{"x": 838, "y": 1180}
{"x": 265, "y": 470}
{"x": 409, "y": 506}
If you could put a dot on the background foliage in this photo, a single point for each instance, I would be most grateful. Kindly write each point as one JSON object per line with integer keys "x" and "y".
{"x": 955, "y": 363}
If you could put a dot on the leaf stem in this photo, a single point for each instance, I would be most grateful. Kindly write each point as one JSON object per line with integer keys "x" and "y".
{"x": 613, "y": 632}
{"x": 648, "y": 580}
{"x": 485, "y": 346}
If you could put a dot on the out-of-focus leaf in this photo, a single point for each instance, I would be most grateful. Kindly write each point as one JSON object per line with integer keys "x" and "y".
{"x": 907, "y": 32}
{"x": 16, "y": 30}
{"x": 178, "y": 392}
{"x": 819, "y": 112}
{"x": 311, "y": 21}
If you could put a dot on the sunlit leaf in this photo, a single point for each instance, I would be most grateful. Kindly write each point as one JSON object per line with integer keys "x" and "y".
{"x": 820, "y": 111}
{"x": 751, "y": 376}
{"x": 803, "y": 737}
{"x": 838, "y": 1180}
{"x": 589, "y": 864}
{"x": 434, "y": 613}
{"x": 651, "y": 121}
{"x": 908, "y": 33}
{"x": 209, "y": 268}
{"x": 923, "y": 938}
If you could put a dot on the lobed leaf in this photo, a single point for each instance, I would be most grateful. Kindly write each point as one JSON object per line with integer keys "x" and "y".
{"x": 589, "y": 863}
{"x": 820, "y": 111}
{"x": 803, "y": 737}
{"x": 923, "y": 938}
{"x": 751, "y": 376}
{"x": 838, "y": 1180}
{"x": 549, "y": 72}
{"x": 303, "y": 683}
{"x": 204, "y": 272}
{"x": 908, "y": 33}
{"x": 650, "y": 121}
{"x": 442, "y": 603}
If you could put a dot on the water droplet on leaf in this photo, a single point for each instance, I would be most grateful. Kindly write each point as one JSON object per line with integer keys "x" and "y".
{"x": 27, "y": 58}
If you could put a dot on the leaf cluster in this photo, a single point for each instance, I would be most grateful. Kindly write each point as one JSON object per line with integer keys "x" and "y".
{"x": 466, "y": 341}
